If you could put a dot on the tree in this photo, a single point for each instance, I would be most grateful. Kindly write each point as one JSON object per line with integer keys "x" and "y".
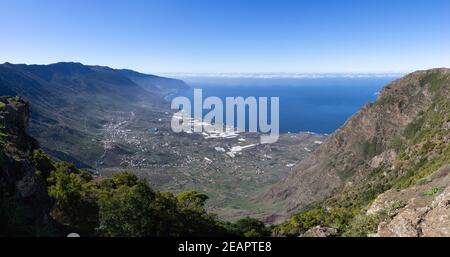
{"x": 135, "y": 210}
{"x": 76, "y": 204}
{"x": 192, "y": 199}
{"x": 124, "y": 205}
{"x": 251, "y": 227}
{"x": 42, "y": 163}
{"x": 124, "y": 179}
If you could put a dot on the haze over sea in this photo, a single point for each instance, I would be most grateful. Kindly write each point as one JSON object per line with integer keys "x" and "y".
{"x": 315, "y": 103}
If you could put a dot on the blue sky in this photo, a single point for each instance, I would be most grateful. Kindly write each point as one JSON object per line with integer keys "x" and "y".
{"x": 229, "y": 35}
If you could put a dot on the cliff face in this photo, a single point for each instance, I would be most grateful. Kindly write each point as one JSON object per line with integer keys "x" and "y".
{"x": 370, "y": 143}
{"x": 425, "y": 208}
{"x": 24, "y": 200}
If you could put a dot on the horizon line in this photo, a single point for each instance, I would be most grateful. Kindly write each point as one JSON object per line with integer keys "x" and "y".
{"x": 248, "y": 74}
{"x": 286, "y": 75}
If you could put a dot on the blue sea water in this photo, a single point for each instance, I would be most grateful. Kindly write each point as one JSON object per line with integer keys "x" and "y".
{"x": 318, "y": 105}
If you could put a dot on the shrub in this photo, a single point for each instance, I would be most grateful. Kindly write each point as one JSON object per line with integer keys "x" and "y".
{"x": 75, "y": 196}
{"x": 250, "y": 227}
{"x": 192, "y": 199}
{"x": 42, "y": 163}
{"x": 433, "y": 191}
{"x": 301, "y": 222}
{"x": 364, "y": 225}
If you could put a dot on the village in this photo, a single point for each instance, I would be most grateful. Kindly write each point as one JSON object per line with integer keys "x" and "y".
{"x": 230, "y": 166}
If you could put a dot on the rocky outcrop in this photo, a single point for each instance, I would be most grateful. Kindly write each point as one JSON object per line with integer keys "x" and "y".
{"x": 23, "y": 194}
{"x": 319, "y": 231}
{"x": 426, "y": 211}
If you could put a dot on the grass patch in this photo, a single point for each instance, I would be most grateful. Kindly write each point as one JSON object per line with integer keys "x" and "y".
{"x": 436, "y": 81}
{"x": 413, "y": 127}
{"x": 433, "y": 191}
{"x": 424, "y": 169}
{"x": 369, "y": 149}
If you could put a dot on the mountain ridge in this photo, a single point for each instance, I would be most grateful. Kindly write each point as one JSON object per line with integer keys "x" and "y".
{"x": 344, "y": 160}
{"x": 70, "y": 102}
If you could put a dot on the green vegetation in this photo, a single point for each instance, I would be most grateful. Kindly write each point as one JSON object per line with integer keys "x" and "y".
{"x": 421, "y": 150}
{"x": 299, "y": 223}
{"x": 349, "y": 222}
{"x": 2, "y": 105}
{"x": 414, "y": 127}
{"x": 422, "y": 169}
{"x": 433, "y": 191}
{"x": 125, "y": 205}
{"x": 397, "y": 144}
{"x": 250, "y": 227}
{"x": 3, "y": 137}
{"x": 44, "y": 165}
{"x": 435, "y": 80}
{"x": 427, "y": 150}
{"x": 192, "y": 199}
{"x": 364, "y": 225}
{"x": 76, "y": 198}
{"x": 397, "y": 205}
{"x": 368, "y": 149}
{"x": 120, "y": 205}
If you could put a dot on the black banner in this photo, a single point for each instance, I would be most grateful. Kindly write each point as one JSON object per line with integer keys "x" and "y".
{"x": 224, "y": 246}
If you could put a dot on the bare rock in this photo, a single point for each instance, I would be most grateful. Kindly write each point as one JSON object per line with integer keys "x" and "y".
{"x": 404, "y": 224}
{"x": 18, "y": 180}
{"x": 319, "y": 231}
{"x": 427, "y": 212}
{"x": 437, "y": 221}
{"x": 384, "y": 157}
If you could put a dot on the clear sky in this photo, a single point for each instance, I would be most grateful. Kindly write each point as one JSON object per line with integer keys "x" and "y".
{"x": 228, "y": 35}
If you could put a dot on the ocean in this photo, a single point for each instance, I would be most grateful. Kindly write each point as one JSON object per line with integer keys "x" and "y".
{"x": 319, "y": 105}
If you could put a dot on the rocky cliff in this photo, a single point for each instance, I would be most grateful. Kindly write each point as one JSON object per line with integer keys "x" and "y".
{"x": 424, "y": 211}
{"x": 24, "y": 202}
{"x": 392, "y": 143}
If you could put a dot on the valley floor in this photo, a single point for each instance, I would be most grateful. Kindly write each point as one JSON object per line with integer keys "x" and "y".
{"x": 232, "y": 169}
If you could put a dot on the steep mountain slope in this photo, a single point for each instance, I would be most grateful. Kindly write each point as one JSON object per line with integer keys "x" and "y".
{"x": 424, "y": 209}
{"x": 154, "y": 83}
{"x": 394, "y": 142}
{"x": 71, "y": 102}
